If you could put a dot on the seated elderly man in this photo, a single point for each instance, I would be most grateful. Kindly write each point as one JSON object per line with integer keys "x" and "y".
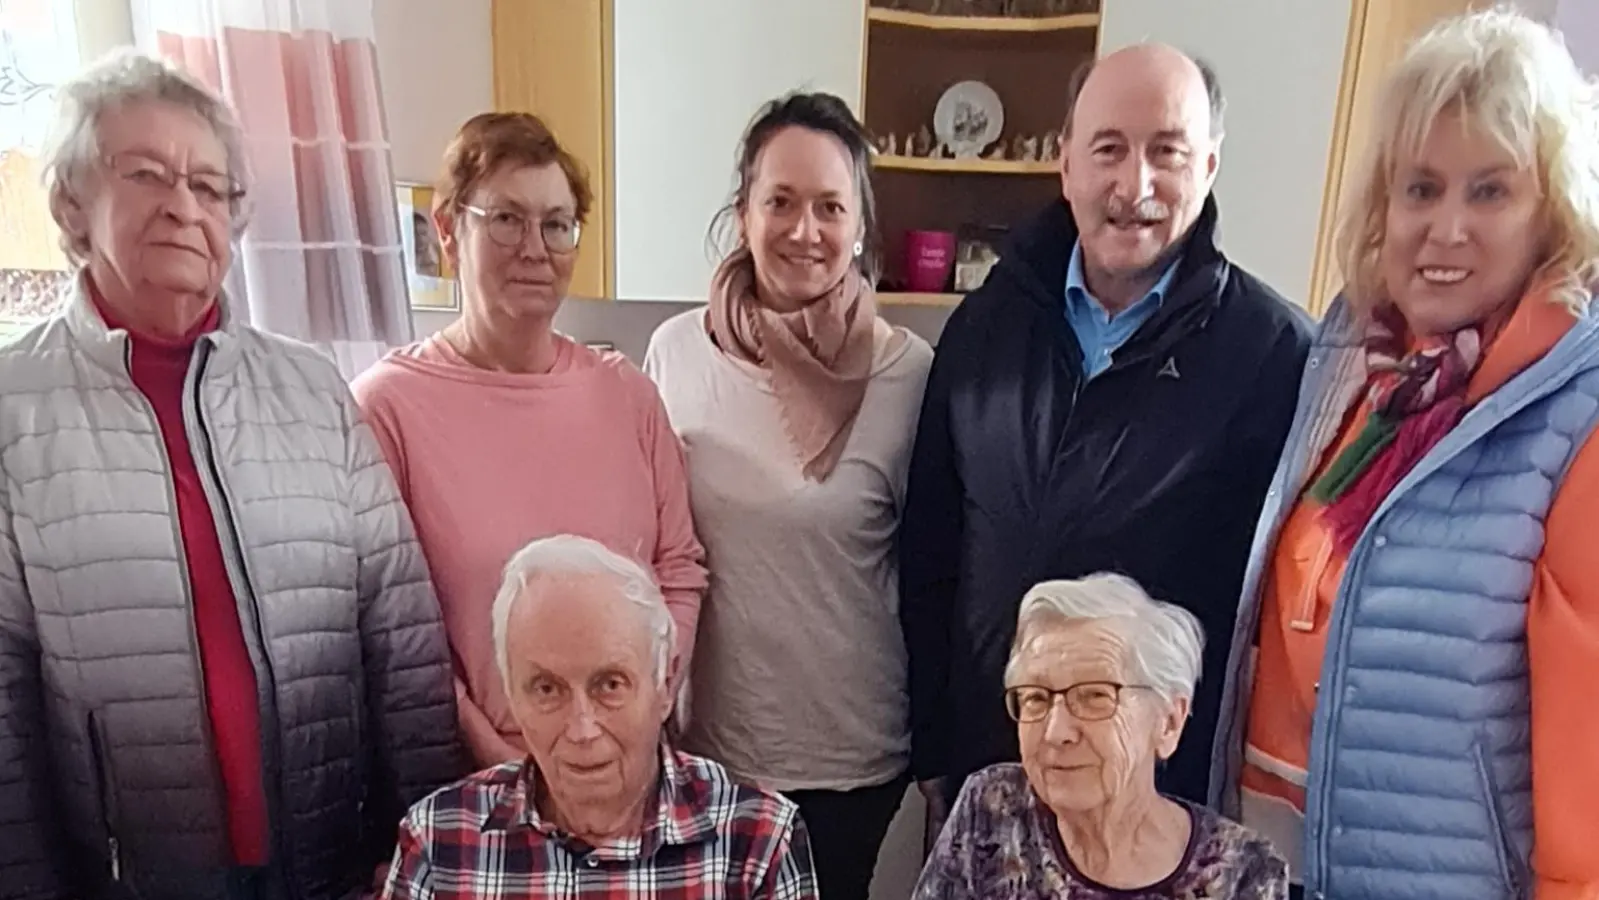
{"x": 222, "y": 667}
{"x": 1099, "y": 682}
{"x": 602, "y": 806}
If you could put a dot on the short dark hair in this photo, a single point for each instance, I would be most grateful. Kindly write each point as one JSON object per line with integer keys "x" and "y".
{"x": 819, "y": 112}
{"x": 1207, "y": 72}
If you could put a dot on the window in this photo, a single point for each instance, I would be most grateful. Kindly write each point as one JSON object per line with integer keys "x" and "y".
{"x": 38, "y": 50}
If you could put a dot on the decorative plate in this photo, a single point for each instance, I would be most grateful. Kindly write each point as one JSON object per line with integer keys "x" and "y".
{"x": 968, "y": 118}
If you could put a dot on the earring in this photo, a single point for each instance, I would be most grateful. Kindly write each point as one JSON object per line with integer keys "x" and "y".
{"x": 859, "y": 249}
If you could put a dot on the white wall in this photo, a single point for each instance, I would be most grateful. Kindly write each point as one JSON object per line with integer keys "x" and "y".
{"x": 1579, "y": 19}
{"x": 1279, "y": 63}
{"x": 436, "y": 63}
{"x": 689, "y": 74}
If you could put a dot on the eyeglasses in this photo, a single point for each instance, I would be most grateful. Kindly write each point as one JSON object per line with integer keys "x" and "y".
{"x": 509, "y": 229}
{"x": 1090, "y": 701}
{"x": 214, "y": 191}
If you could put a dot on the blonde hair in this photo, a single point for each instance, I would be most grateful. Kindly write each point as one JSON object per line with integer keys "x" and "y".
{"x": 1512, "y": 78}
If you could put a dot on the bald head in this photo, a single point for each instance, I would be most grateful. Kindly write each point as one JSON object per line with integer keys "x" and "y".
{"x": 1138, "y": 158}
{"x": 1150, "y": 70}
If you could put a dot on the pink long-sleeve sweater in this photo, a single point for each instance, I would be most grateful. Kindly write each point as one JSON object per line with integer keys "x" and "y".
{"x": 488, "y": 461}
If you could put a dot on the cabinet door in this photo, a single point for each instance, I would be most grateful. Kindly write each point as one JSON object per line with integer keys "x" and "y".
{"x": 688, "y": 78}
{"x": 1379, "y": 33}
{"x": 550, "y": 59}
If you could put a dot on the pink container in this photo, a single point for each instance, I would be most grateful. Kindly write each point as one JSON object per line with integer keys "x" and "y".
{"x": 929, "y": 258}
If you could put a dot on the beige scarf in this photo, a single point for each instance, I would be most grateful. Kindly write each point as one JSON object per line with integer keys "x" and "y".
{"x": 819, "y": 359}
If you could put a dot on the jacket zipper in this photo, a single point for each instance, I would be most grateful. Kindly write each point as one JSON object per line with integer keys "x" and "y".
{"x": 206, "y": 731}
{"x": 108, "y": 803}
{"x": 244, "y": 593}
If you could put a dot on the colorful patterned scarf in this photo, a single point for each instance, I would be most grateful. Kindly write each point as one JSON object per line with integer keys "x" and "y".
{"x": 1416, "y": 396}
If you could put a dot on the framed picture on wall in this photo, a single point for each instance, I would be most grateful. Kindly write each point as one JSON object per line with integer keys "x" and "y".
{"x": 428, "y": 276}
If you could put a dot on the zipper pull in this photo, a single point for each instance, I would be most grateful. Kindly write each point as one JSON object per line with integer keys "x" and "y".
{"x": 116, "y": 858}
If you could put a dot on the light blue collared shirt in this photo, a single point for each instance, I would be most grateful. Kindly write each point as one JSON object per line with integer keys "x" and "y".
{"x": 1098, "y": 333}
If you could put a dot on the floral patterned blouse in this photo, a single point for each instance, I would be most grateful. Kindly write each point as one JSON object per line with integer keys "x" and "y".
{"x": 1001, "y": 843}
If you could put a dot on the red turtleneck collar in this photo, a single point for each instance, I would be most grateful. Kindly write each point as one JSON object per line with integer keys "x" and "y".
{"x": 184, "y": 343}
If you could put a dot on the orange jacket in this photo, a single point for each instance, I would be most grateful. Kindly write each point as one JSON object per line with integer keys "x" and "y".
{"x": 1562, "y": 638}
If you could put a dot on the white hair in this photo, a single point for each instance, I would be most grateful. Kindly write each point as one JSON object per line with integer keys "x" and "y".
{"x": 571, "y": 555}
{"x": 126, "y": 77}
{"x": 1165, "y": 642}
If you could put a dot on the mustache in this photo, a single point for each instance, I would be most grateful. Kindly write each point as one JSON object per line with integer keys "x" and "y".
{"x": 1146, "y": 211}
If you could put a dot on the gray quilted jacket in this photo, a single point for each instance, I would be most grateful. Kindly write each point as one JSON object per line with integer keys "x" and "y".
{"x": 108, "y": 785}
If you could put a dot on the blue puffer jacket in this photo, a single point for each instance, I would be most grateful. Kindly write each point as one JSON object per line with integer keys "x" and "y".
{"x": 1420, "y": 780}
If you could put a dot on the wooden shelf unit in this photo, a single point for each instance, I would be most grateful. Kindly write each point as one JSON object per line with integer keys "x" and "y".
{"x": 981, "y": 23}
{"x": 910, "y": 58}
{"x": 969, "y": 166}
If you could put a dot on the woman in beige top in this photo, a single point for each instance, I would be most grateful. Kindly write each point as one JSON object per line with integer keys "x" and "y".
{"x": 797, "y": 406}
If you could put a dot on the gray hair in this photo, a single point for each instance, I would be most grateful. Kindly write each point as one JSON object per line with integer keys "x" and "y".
{"x": 571, "y": 555}
{"x": 1207, "y": 74}
{"x": 126, "y": 77}
{"x": 1166, "y": 643}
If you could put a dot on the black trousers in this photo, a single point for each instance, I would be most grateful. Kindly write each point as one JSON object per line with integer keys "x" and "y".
{"x": 846, "y": 830}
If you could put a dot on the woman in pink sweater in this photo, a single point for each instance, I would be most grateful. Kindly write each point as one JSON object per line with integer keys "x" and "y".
{"x": 500, "y": 430}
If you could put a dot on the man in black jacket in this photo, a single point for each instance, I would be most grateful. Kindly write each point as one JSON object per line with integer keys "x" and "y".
{"x": 1115, "y": 397}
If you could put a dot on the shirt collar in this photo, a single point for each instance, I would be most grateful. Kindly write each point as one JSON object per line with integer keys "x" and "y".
{"x": 681, "y": 813}
{"x": 1078, "y": 295}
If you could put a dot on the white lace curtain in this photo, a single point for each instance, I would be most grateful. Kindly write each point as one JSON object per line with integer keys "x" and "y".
{"x": 321, "y": 260}
{"x": 38, "y": 50}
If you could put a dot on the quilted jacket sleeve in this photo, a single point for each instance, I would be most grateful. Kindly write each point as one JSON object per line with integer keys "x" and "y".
{"x": 27, "y": 831}
{"x": 410, "y": 698}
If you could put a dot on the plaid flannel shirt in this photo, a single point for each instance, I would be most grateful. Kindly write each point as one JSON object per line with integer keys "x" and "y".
{"x": 707, "y": 838}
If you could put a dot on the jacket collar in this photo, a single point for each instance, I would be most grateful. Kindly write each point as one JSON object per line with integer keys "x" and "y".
{"x": 108, "y": 346}
{"x": 1534, "y": 329}
{"x": 681, "y": 814}
{"x": 1035, "y": 264}
{"x": 1041, "y": 251}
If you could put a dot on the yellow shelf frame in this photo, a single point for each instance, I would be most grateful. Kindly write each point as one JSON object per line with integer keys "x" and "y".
{"x": 967, "y": 166}
{"x": 982, "y": 23}
{"x": 905, "y": 299}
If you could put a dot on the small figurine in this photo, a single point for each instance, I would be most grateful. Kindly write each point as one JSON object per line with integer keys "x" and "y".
{"x": 891, "y": 145}
{"x": 995, "y": 152}
{"x": 1030, "y": 149}
{"x": 1051, "y": 149}
{"x": 1017, "y": 148}
{"x": 921, "y": 143}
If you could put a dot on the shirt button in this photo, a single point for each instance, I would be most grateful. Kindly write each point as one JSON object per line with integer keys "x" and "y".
{"x": 1313, "y": 364}
{"x": 591, "y": 862}
{"x": 1381, "y": 541}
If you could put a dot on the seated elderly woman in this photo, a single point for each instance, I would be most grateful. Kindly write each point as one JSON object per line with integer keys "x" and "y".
{"x": 1100, "y": 680}
{"x": 601, "y": 805}
{"x": 221, "y": 662}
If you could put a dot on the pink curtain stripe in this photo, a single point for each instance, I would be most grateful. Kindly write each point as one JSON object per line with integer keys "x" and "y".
{"x": 321, "y": 259}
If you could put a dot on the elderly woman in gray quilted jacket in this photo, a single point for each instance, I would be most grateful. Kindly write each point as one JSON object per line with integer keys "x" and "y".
{"x": 222, "y": 668}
